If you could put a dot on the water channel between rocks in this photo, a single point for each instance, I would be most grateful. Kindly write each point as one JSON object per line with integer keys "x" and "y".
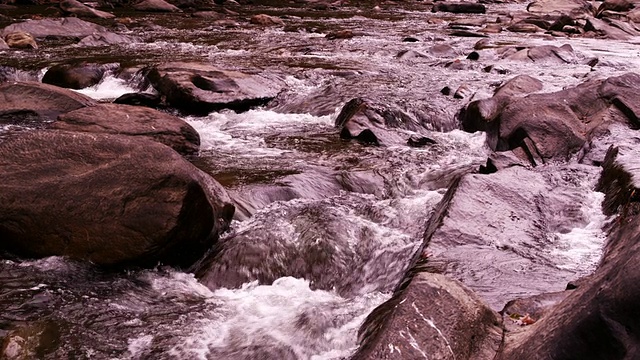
{"x": 314, "y": 310}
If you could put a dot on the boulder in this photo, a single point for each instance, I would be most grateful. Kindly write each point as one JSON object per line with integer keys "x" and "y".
{"x": 155, "y": 6}
{"x": 432, "y": 317}
{"x": 43, "y": 102}
{"x": 70, "y": 27}
{"x": 79, "y": 9}
{"x": 459, "y": 7}
{"x": 201, "y": 88}
{"x": 266, "y": 20}
{"x": 3, "y": 44}
{"x": 20, "y": 40}
{"x": 133, "y": 121}
{"x": 74, "y": 76}
{"x": 555, "y": 125}
{"x": 599, "y": 319}
{"x": 108, "y": 199}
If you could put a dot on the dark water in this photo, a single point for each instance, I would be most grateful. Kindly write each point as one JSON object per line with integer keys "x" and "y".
{"x": 325, "y": 227}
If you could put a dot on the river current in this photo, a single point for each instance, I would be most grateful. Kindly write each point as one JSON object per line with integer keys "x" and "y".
{"x": 325, "y": 228}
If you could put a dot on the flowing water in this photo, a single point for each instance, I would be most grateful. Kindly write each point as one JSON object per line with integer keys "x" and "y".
{"x": 325, "y": 228}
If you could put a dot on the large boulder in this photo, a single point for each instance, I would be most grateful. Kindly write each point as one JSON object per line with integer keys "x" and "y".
{"x": 79, "y": 9}
{"x": 555, "y": 125}
{"x": 134, "y": 121}
{"x": 601, "y": 318}
{"x": 74, "y": 76}
{"x": 37, "y": 101}
{"x": 108, "y": 199}
{"x": 69, "y": 27}
{"x": 434, "y": 317}
{"x": 201, "y": 88}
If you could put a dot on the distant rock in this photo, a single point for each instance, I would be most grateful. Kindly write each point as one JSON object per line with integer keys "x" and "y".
{"x": 20, "y": 40}
{"x": 108, "y": 199}
{"x": 156, "y": 6}
{"x": 74, "y": 76}
{"x": 266, "y": 20}
{"x": 519, "y": 86}
{"x": 201, "y": 88}
{"x": 573, "y": 8}
{"x": 79, "y": 9}
{"x": 41, "y": 101}
{"x": 132, "y": 121}
{"x": 546, "y": 54}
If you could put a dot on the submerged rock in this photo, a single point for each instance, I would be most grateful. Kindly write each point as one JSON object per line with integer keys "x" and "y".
{"x": 107, "y": 38}
{"x": 74, "y": 76}
{"x": 201, "y": 88}
{"x": 44, "y": 102}
{"x": 133, "y": 121}
{"x": 108, "y": 199}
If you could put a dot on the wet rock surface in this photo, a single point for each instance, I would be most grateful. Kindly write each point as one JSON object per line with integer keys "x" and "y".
{"x": 287, "y": 109}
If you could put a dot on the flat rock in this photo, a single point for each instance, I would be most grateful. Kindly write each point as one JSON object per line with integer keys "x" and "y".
{"x": 201, "y": 88}
{"x": 107, "y": 38}
{"x": 64, "y": 27}
{"x": 133, "y": 121}
{"x": 108, "y": 199}
{"x": 44, "y": 102}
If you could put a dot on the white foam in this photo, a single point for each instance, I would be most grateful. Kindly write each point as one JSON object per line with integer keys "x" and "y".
{"x": 244, "y": 133}
{"x": 110, "y": 88}
{"x": 581, "y": 248}
{"x": 268, "y": 316}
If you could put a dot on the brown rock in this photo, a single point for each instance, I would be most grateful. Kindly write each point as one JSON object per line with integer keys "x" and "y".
{"x": 156, "y": 6}
{"x": 74, "y": 76}
{"x": 20, "y": 40}
{"x": 77, "y": 8}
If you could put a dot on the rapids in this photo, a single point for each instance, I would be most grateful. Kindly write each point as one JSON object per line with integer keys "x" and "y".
{"x": 325, "y": 228}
